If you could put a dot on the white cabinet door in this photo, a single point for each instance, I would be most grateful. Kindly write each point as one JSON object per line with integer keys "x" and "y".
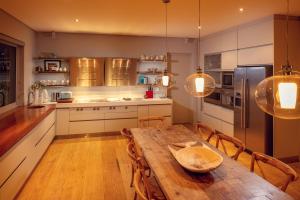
{"x": 62, "y": 121}
{"x": 256, "y": 55}
{"x": 94, "y": 113}
{"x": 229, "y": 60}
{"x": 160, "y": 110}
{"x": 119, "y": 124}
{"x": 256, "y": 34}
{"x": 83, "y": 127}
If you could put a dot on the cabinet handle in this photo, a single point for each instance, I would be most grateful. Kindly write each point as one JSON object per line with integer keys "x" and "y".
{"x": 94, "y": 108}
{"x": 126, "y": 107}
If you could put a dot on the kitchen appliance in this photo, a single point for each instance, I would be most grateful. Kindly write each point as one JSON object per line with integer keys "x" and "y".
{"x": 214, "y": 98}
{"x": 65, "y": 95}
{"x": 222, "y": 97}
{"x": 120, "y": 71}
{"x": 251, "y": 125}
{"x": 227, "y": 79}
{"x": 87, "y": 72}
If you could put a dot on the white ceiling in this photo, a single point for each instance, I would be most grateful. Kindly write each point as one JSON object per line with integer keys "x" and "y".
{"x": 141, "y": 17}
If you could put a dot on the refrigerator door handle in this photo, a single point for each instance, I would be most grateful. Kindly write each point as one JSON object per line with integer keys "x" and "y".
{"x": 246, "y": 103}
{"x": 242, "y": 102}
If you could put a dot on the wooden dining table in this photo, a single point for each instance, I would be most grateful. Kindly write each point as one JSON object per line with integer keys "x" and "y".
{"x": 229, "y": 181}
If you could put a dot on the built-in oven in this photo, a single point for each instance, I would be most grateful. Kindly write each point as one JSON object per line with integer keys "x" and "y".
{"x": 227, "y": 79}
{"x": 222, "y": 97}
{"x": 214, "y": 98}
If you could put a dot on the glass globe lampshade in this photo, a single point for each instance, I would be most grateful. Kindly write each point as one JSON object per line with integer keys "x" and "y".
{"x": 279, "y": 95}
{"x": 199, "y": 84}
{"x": 167, "y": 80}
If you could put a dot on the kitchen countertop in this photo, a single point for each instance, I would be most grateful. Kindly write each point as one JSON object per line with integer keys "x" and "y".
{"x": 133, "y": 102}
{"x": 17, "y": 123}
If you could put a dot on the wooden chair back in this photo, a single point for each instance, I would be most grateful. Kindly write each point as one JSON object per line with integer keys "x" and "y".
{"x": 202, "y": 128}
{"x": 127, "y": 134}
{"x": 142, "y": 121}
{"x": 132, "y": 152}
{"x": 139, "y": 185}
{"x": 286, "y": 169}
{"x": 236, "y": 142}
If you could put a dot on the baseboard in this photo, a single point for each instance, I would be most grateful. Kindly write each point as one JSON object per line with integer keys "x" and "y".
{"x": 87, "y": 135}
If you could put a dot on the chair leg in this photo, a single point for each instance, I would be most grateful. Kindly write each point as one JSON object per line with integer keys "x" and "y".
{"x": 132, "y": 174}
{"x": 135, "y": 195}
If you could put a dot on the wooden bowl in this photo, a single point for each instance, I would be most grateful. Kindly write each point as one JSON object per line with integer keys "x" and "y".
{"x": 200, "y": 159}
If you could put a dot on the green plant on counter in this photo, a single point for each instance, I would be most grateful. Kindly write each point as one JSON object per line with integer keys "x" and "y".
{"x": 37, "y": 86}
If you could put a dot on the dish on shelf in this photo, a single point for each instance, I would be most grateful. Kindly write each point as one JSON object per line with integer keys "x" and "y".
{"x": 200, "y": 159}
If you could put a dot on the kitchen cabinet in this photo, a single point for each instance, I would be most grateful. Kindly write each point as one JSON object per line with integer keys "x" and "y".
{"x": 157, "y": 111}
{"x": 256, "y": 55}
{"x": 83, "y": 127}
{"x": 18, "y": 163}
{"x": 229, "y": 60}
{"x": 93, "y": 113}
{"x": 257, "y": 33}
{"x": 119, "y": 124}
{"x": 62, "y": 122}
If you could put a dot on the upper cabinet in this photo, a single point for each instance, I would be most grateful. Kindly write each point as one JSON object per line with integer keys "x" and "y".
{"x": 229, "y": 60}
{"x": 219, "y": 42}
{"x": 256, "y": 34}
{"x": 256, "y": 55}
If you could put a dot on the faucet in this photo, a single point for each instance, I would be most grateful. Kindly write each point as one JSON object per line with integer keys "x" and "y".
{"x": 3, "y": 99}
{"x": 28, "y": 100}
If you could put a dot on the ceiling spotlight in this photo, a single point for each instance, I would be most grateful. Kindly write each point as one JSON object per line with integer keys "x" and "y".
{"x": 241, "y": 10}
{"x": 76, "y": 20}
{"x": 199, "y": 27}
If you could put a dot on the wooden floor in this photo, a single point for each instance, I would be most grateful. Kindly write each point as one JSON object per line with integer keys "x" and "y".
{"x": 98, "y": 168}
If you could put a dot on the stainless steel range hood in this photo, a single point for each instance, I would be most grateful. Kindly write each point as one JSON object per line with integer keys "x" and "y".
{"x": 120, "y": 71}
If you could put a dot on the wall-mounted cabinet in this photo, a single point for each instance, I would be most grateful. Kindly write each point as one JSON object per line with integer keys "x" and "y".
{"x": 229, "y": 60}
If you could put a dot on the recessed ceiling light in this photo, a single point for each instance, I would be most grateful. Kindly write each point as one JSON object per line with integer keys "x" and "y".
{"x": 76, "y": 20}
{"x": 241, "y": 10}
{"x": 200, "y": 27}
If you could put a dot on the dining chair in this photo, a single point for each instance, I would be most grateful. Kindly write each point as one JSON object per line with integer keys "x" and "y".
{"x": 127, "y": 134}
{"x": 204, "y": 129}
{"x": 236, "y": 142}
{"x": 160, "y": 120}
{"x": 133, "y": 155}
{"x": 146, "y": 188}
{"x": 286, "y": 169}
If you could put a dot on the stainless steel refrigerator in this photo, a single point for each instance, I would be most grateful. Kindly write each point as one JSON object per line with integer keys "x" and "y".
{"x": 251, "y": 125}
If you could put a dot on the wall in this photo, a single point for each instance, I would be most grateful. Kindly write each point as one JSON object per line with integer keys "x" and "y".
{"x": 17, "y": 30}
{"x": 96, "y": 45}
{"x": 286, "y": 132}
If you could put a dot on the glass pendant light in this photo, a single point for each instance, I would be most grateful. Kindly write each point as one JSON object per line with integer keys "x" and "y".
{"x": 279, "y": 95}
{"x": 199, "y": 84}
{"x": 166, "y": 80}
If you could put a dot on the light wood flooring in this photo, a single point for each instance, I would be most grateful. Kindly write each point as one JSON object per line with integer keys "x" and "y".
{"x": 98, "y": 168}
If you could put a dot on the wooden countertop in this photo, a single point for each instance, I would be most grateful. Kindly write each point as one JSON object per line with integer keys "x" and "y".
{"x": 229, "y": 181}
{"x": 17, "y": 123}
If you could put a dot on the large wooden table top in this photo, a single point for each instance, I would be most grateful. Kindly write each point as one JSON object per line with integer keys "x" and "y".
{"x": 17, "y": 123}
{"x": 230, "y": 181}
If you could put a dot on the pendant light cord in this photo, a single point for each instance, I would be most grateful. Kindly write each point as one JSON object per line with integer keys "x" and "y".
{"x": 199, "y": 33}
{"x": 287, "y": 31}
{"x": 166, "y": 33}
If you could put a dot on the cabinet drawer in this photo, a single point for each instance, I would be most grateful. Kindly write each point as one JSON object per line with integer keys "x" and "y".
{"x": 79, "y": 114}
{"x": 120, "y": 115}
{"x": 160, "y": 110}
{"x": 168, "y": 122}
{"x": 82, "y": 127}
{"x": 118, "y": 124}
{"x": 122, "y": 108}
{"x": 42, "y": 145}
{"x": 15, "y": 181}
{"x": 143, "y": 111}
